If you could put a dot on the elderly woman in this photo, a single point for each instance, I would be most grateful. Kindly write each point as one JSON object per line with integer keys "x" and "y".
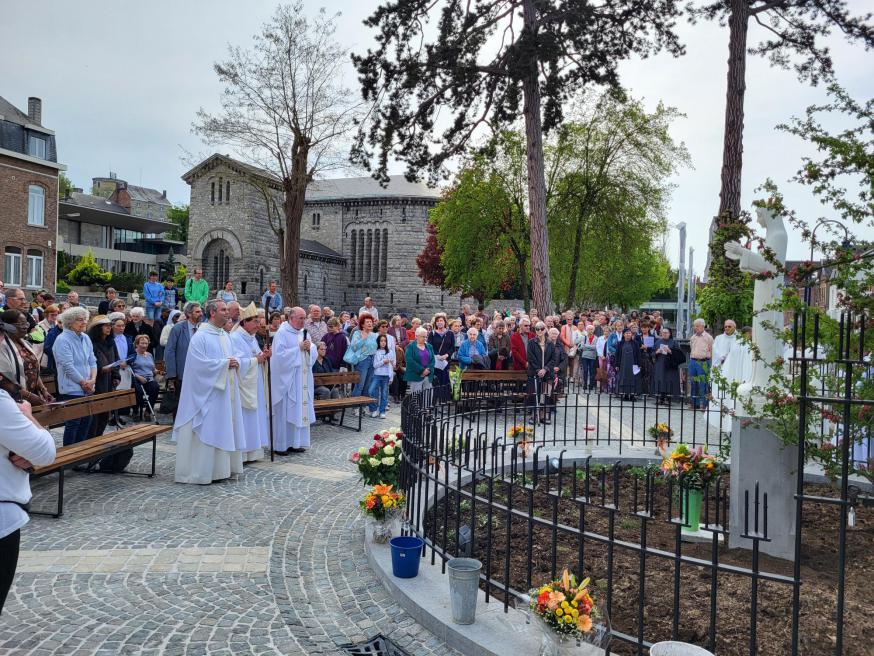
{"x": 137, "y": 325}
{"x": 108, "y": 377}
{"x": 472, "y": 353}
{"x": 419, "y": 357}
{"x": 398, "y": 331}
{"x": 588, "y": 354}
{"x": 18, "y": 361}
{"x": 499, "y": 347}
{"x": 541, "y": 362}
{"x": 143, "y": 368}
{"x": 76, "y": 368}
{"x": 414, "y": 326}
{"x": 172, "y": 319}
{"x": 458, "y": 335}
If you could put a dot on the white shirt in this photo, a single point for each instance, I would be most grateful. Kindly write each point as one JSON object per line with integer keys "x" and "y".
{"x": 18, "y": 435}
{"x": 372, "y": 311}
{"x": 722, "y": 346}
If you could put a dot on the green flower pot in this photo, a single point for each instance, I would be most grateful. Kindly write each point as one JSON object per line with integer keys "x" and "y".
{"x": 694, "y": 510}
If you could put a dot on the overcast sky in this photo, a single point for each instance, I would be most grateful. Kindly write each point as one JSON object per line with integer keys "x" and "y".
{"x": 121, "y": 83}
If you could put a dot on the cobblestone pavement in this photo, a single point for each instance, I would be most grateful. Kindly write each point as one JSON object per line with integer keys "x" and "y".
{"x": 270, "y": 563}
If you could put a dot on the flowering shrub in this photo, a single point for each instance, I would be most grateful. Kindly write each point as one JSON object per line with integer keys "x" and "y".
{"x": 567, "y": 608}
{"x": 693, "y": 466}
{"x": 381, "y": 502}
{"x": 381, "y": 461}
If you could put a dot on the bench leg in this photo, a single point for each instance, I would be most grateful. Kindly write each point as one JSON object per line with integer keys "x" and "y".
{"x": 360, "y": 412}
{"x": 60, "y": 510}
{"x": 154, "y": 454}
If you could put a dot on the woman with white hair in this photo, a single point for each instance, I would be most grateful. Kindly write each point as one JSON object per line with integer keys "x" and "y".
{"x": 139, "y": 326}
{"x": 172, "y": 319}
{"x": 76, "y": 368}
{"x": 420, "y": 360}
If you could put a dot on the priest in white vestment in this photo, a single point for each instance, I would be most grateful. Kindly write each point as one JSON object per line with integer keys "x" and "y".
{"x": 209, "y": 422}
{"x": 722, "y": 346}
{"x": 291, "y": 385}
{"x": 253, "y": 383}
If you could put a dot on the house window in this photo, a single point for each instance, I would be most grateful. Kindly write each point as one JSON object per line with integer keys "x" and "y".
{"x": 36, "y": 146}
{"x": 317, "y": 220}
{"x": 36, "y": 205}
{"x": 34, "y": 269}
{"x": 105, "y": 237}
{"x": 228, "y": 192}
{"x": 12, "y": 269}
{"x": 212, "y": 193}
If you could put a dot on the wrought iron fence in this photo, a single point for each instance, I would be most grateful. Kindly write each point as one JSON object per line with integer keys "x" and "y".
{"x": 529, "y": 509}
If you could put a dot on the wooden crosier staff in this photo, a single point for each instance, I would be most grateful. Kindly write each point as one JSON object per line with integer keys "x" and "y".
{"x": 270, "y": 400}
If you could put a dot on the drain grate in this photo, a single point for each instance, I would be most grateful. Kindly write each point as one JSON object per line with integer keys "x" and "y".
{"x": 377, "y": 646}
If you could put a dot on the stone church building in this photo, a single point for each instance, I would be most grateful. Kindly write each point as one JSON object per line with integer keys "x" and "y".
{"x": 357, "y": 238}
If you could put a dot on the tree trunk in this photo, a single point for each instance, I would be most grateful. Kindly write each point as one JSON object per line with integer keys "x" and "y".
{"x": 540, "y": 281}
{"x": 575, "y": 261}
{"x": 732, "y": 150}
{"x": 294, "y": 188}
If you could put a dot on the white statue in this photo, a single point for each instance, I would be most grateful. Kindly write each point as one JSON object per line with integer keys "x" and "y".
{"x": 765, "y": 293}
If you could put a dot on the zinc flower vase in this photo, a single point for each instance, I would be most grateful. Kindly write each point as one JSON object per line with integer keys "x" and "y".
{"x": 381, "y": 531}
{"x": 691, "y": 504}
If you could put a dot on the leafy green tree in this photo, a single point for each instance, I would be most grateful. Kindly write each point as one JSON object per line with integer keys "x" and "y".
{"x": 442, "y": 71}
{"x": 611, "y": 164}
{"x": 64, "y": 184}
{"x": 180, "y": 276}
{"x": 481, "y": 225}
{"x": 88, "y": 272}
{"x": 178, "y": 215}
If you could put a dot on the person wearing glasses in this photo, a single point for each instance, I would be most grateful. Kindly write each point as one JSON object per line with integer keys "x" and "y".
{"x": 542, "y": 360}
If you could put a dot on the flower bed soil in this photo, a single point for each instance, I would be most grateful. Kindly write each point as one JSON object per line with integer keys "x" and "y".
{"x": 819, "y": 569}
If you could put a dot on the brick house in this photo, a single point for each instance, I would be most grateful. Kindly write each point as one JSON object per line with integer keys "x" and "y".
{"x": 28, "y": 197}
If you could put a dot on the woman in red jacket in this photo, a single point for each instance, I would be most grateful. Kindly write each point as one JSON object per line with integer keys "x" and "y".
{"x": 519, "y": 344}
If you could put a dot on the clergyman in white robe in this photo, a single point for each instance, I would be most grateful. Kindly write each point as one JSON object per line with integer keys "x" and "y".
{"x": 292, "y": 388}
{"x": 209, "y": 422}
{"x": 253, "y": 393}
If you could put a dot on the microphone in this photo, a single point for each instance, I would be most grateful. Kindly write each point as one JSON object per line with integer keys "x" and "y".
{"x": 304, "y": 334}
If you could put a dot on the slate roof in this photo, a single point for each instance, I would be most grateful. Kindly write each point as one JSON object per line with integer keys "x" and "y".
{"x": 95, "y": 202}
{"x": 147, "y": 195}
{"x": 317, "y": 248}
{"x": 332, "y": 189}
{"x": 367, "y": 187}
{"x": 11, "y": 113}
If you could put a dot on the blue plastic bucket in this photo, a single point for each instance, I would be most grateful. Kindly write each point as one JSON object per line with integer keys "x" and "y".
{"x": 406, "y": 552}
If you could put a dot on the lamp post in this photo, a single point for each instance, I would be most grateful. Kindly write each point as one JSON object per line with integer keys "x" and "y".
{"x": 808, "y": 292}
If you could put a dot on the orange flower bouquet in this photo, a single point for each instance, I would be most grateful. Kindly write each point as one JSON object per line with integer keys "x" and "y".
{"x": 568, "y": 612}
{"x": 382, "y": 506}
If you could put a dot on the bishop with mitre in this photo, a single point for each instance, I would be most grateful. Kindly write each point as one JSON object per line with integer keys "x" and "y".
{"x": 253, "y": 383}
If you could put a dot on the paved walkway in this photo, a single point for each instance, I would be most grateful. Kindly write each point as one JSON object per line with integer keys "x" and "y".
{"x": 271, "y": 563}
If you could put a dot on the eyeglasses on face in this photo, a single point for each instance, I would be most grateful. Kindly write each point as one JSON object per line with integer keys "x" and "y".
{"x": 538, "y": 329}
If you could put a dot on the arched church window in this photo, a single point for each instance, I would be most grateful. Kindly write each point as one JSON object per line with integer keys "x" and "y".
{"x": 384, "y": 272}
{"x": 354, "y": 258}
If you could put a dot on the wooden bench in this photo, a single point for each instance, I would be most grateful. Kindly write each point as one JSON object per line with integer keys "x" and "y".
{"x": 51, "y": 384}
{"x": 509, "y": 375}
{"x": 98, "y": 447}
{"x": 330, "y": 406}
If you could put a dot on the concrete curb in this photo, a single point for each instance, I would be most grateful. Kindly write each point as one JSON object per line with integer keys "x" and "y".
{"x": 426, "y": 599}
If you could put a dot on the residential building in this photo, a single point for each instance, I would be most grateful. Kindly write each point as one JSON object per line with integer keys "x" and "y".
{"x": 28, "y": 196}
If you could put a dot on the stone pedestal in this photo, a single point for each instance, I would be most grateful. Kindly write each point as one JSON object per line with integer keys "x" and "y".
{"x": 758, "y": 455}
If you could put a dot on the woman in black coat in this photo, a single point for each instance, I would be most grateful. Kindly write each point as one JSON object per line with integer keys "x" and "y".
{"x": 666, "y": 370}
{"x": 542, "y": 360}
{"x": 442, "y": 340}
{"x": 628, "y": 357}
{"x": 106, "y": 354}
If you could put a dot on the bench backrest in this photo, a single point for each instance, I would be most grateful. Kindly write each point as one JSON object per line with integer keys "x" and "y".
{"x": 514, "y": 375}
{"x": 337, "y": 378}
{"x": 51, "y": 384}
{"x": 56, "y": 414}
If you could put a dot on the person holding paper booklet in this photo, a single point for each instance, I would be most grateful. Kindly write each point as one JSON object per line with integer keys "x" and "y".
{"x": 647, "y": 345}
{"x": 628, "y": 358}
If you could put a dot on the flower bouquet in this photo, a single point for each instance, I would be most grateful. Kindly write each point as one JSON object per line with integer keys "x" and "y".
{"x": 381, "y": 461}
{"x": 694, "y": 468}
{"x": 383, "y": 507}
{"x": 662, "y": 434}
{"x": 455, "y": 382}
{"x": 521, "y": 435}
{"x": 568, "y": 614}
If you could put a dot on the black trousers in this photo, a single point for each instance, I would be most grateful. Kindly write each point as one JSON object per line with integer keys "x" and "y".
{"x": 8, "y": 562}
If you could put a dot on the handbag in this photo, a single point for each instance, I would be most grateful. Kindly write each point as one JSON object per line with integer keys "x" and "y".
{"x": 572, "y": 351}
{"x": 601, "y": 375}
{"x": 350, "y": 357}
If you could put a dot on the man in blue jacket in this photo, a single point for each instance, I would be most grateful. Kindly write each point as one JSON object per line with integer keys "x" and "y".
{"x": 153, "y": 291}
